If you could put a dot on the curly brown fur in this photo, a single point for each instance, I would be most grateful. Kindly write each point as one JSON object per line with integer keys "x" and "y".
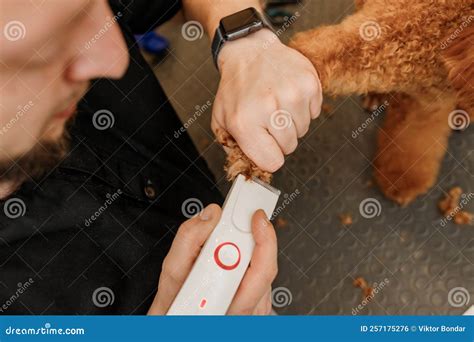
{"x": 407, "y": 56}
{"x": 404, "y": 57}
{"x": 237, "y": 162}
{"x": 459, "y": 61}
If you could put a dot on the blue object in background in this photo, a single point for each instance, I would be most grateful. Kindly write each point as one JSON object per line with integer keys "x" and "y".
{"x": 152, "y": 42}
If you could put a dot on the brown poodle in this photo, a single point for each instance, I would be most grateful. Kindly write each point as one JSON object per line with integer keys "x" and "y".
{"x": 417, "y": 54}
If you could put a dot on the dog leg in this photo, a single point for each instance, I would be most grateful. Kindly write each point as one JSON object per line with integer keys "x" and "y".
{"x": 365, "y": 54}
{"x": 326, "y": 47}
{"x": 412, "y": 144}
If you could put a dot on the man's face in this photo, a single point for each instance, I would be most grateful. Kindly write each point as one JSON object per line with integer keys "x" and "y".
{"x": 49, "y": 51}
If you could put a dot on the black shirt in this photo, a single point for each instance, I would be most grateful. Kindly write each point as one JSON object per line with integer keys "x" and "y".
{"x": 96, "y": 229}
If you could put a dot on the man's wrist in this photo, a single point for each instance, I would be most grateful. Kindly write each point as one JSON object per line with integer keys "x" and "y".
{"x": 238, "y": 26}
{"x": 251, "y": 45}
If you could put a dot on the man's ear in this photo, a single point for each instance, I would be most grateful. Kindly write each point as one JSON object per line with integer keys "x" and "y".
{"x": 458, "y": 57}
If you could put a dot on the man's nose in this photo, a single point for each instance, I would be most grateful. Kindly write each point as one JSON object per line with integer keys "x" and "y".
{"x": 102, "y": 55}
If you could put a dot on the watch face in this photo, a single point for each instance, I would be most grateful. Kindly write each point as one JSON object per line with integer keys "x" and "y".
{"x": 240, "y": 21}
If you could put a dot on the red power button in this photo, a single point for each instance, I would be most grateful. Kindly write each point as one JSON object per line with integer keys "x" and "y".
{"x": 227, "y": 255}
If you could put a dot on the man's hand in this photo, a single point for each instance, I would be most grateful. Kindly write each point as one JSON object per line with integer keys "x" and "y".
{"x": 267, "y": 96}
{"x": 254, "y": 293}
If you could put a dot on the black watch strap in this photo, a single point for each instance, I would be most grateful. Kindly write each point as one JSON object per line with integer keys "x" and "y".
{"x": 219, "y": 38}
{"x": 217, "y": 43}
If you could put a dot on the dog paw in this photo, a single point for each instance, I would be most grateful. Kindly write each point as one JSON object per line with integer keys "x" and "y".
{"x": 237, "y": 162}
{"x": 403, "y": 185}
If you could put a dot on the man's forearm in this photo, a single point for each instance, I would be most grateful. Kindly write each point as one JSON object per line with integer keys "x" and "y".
{"x": 268, "y": 93}
{"x": 210, "y": 12}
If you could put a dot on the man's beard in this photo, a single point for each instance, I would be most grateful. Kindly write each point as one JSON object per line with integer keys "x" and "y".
{"x": 34, "y": 164}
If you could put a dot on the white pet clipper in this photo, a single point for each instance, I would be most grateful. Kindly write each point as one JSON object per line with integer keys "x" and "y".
{"x": 224, "y": 258}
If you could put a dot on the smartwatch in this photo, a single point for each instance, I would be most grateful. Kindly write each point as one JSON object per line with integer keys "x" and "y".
{"x": 235, "y": 26}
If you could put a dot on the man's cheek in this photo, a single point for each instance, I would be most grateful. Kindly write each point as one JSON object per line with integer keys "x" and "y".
{"x": 21, "y": 127}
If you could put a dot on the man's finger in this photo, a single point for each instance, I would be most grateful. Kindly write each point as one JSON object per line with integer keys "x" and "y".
{"x": 263, "y": 267}
{"x": 287, "y": 137}
{"x": 264, "y": 307}
{"x": 296, "y": 103}
{"x": 261, "y": 148}
{"x": 188, "y": 242}
{"x": 316, "y": 100}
